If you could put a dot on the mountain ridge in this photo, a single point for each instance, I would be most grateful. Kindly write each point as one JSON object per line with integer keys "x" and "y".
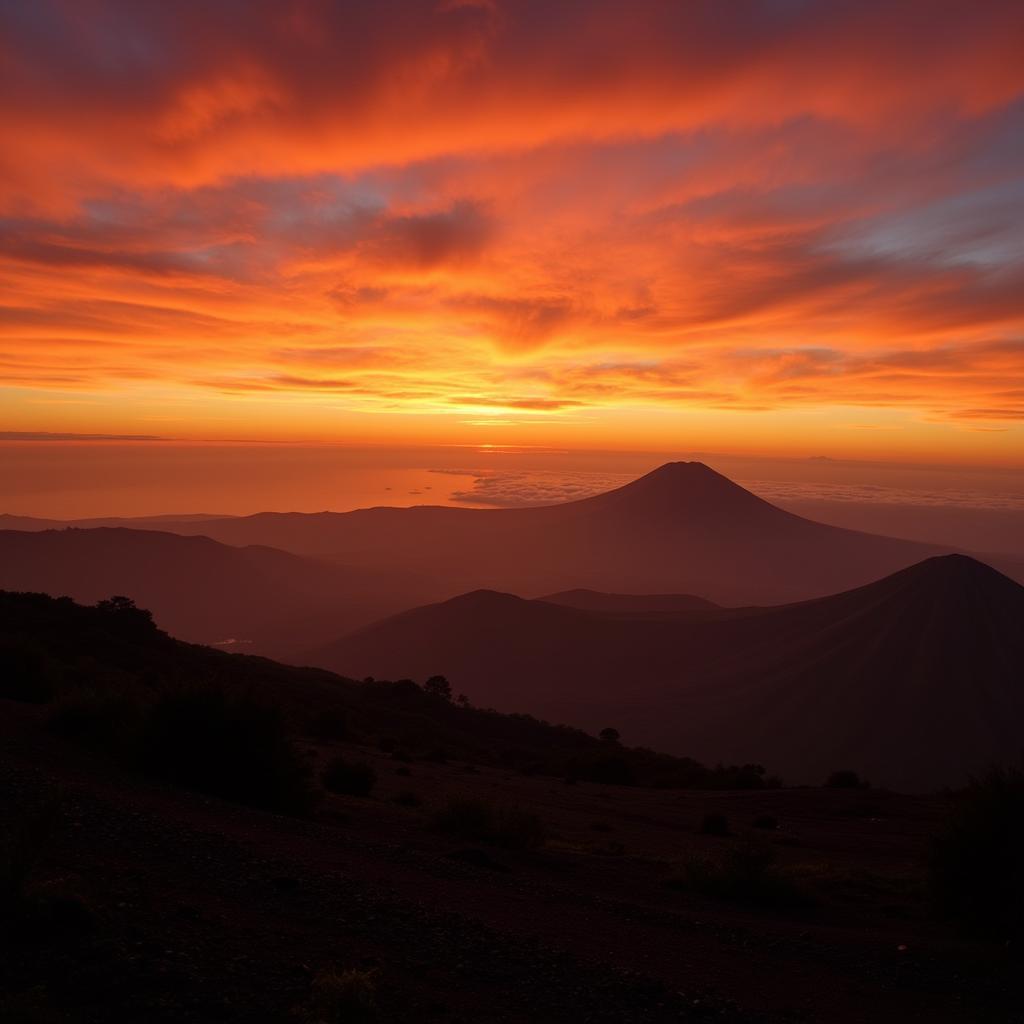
{"x": 682, "y": 528}
{"x": 913, "y": 679}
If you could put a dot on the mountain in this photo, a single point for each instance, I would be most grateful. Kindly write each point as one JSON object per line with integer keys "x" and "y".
{"x": 682, "y": 528}
{"x": 914, "y": 680}
{"x": 53, "y": 650}
{"x": 35, "y": 524}
{"x": 595, "y": 601}
{"x": 266, "y": 601}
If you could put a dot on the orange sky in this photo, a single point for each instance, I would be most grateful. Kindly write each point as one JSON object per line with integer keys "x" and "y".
{"x": 784, "y": 225}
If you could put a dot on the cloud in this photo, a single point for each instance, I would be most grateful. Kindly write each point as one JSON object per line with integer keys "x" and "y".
{"x": 38, "y": 435}
{"x": 525, "y": 489}
{"x": 473, "y": 213}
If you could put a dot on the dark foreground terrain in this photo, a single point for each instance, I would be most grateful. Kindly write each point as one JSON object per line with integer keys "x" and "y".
{"x": 170, "y": 906}
{"x": 435, "y": 886}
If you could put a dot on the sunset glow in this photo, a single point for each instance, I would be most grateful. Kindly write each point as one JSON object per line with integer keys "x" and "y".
{"x": 781, "y": 225}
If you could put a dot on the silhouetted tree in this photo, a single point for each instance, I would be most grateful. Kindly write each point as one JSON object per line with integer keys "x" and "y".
{"x": 609, "y": 735}
{"x": 462, "y": 700}
{"x": 845, "y": 779}
{"x": 438, "y": 686}
{"x": 123, "y": 613}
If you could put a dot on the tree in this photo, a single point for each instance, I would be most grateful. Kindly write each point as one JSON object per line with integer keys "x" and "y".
{"x": 438, "y": 686}
{"x": 845, "y": 779}
{"x": 124, "y": 615}
{"x": 462, "y": 700}
{"x": 609, "y": 735}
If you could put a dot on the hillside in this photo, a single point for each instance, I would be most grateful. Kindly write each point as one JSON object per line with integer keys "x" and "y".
{"x": 266, "y": 601}
{"x": 54, "y": 650}
{"x": 206, "y": 899}
{"x": 914, "y": 680}
{"x": 595, "y": 601}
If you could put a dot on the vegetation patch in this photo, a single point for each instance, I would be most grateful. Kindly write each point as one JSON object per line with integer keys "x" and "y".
{"x": 349, "y": 778}
{"x": 745, "y": 873}
{"x": 342, "y": 996}
{"x": 501, "y": 825}
{"x": 231, "y": 746}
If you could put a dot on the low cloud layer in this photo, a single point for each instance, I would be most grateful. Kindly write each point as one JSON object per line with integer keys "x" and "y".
{"x": 528, "y": 488}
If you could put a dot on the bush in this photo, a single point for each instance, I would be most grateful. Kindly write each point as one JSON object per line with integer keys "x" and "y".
{"x": 24, "y": 675}
{"x": 845, "y": 779}
{"x": 329, "y": 724}
{"x": 976, "y": 864}
{"x": 232, "y": 747}
{"x": 766, "y": 821}
{"x": 351, "y": 778}
{"x": 715, "y": 825}
{"x": 103, "y": 720}
{"x": 742, "y": 874}
{"x": 336, "y": 997}
{"x": 477, "y": 821}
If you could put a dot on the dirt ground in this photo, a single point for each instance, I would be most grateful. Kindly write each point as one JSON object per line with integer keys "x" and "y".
{"x": 170, "y": 906}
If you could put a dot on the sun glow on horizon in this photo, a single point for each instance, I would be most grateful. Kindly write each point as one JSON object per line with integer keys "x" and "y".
{"x": 790, "y": 228}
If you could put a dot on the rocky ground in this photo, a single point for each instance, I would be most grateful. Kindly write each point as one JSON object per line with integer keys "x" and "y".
{"x": 154, "y": 904}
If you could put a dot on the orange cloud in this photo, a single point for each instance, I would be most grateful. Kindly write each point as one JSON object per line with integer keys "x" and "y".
{"x": 331, "y": 216}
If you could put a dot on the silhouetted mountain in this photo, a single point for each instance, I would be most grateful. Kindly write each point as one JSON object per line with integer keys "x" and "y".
{"x": 272, "y": 601}
{"x": 110, "y": 656}
{"x": 914, "y": 680}
{"x": 682, "y": 528}
{"x": 595, "y": 601}
{"x": 35, "y": 525}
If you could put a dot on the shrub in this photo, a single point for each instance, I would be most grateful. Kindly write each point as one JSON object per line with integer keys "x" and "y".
{"x": 715, "y": 825}
{"x": 744, "y": 874}
{"x": 329, "y": 724}
{"x": 103, "y": 720}
{"x": 845, "y": 779}
{"x": 976, "y": 864}
{"x": 477, "y": 821}
{"x": 24, "y": 675}
{"x": 766, "y": 821}
{"x": 337, "y": 997}
{"x": 351, "y": 778}
{"x": 232, "y": 747}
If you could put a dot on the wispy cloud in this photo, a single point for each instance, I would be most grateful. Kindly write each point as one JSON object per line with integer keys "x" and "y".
{"x": 481, "y": 213}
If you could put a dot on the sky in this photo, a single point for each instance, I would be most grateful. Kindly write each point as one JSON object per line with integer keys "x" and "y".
{"x": 783, "y": 227}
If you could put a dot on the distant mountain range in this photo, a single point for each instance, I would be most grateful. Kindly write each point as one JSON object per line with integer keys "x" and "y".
{"x": 681, "y": 529}
{"x": 595, "y": 601}
{"x": 834, "y": 649}
{"x": 914, "y": 680}
{"x": 255, "y": 599}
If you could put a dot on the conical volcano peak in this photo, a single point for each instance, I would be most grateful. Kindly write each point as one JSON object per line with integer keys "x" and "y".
{"x": 692, "y": 475}
{"x": 689, "y": 489}
{"x": 957, "y": 569}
